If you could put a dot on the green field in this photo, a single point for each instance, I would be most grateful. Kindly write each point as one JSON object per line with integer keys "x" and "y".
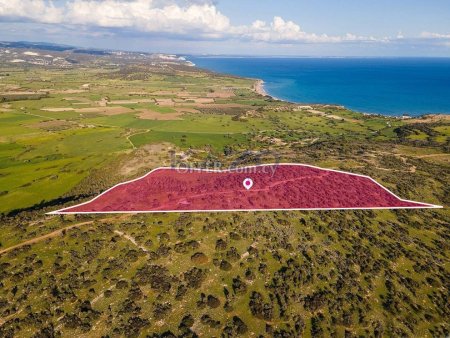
{"x": 58, "y": 149}
{"x": 367, "y": 273}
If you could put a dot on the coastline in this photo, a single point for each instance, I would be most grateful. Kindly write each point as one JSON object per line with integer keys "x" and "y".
{"x": 258, "y": 87}
{"x": 389, "y": 109}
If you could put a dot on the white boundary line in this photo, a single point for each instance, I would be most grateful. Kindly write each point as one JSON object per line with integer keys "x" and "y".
{"x": 62, "y": 212}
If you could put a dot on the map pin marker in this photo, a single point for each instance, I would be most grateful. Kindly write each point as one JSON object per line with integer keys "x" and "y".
{"x": 248, "y": 183}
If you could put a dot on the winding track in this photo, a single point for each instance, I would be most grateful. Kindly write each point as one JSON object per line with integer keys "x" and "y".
{"x": 41, "y": 238}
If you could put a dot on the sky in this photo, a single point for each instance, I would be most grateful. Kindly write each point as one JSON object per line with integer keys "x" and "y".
{"x": 236, "y": 27}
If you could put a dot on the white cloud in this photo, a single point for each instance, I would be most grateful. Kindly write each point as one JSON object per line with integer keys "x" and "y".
{"x": 35, "y": 10}
{"x": 278, "y": 30}
{"x": 281, "y": 31}
{"x": 193, "y": 19}
{"x": 143, "y": 15}
{"x": 428, "y": 35}
{"x": 436, "y": 39}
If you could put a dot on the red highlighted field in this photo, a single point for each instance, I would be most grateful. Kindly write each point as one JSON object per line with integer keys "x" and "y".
{"x": 275, "y": 187}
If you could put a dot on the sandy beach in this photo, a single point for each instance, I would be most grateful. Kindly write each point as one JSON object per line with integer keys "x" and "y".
{"x": 259, "y": 88}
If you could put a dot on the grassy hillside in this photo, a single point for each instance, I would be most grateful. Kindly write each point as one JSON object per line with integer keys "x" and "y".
{"x": 282, "y": 274}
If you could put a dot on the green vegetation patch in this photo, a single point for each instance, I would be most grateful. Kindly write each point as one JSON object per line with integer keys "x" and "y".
{"x": 189, "y": 140}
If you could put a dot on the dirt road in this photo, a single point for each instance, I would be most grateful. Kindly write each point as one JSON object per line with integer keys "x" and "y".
{"x": 43, "y": 237}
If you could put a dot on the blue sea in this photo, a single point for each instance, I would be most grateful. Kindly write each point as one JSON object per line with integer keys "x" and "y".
{"x": 389, "y": 86}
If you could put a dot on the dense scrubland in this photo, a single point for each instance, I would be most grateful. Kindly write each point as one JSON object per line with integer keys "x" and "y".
{"x": 68, "y": 133}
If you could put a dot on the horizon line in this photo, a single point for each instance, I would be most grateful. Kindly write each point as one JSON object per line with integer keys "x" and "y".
{"x": 228, "y": 55}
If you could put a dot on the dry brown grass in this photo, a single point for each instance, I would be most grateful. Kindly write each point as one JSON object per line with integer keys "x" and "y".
{"x": 145, "y": 159}
{"x": 223, "y": 94}
{"x": 204, "y": 100}
{"x": 147, "y": 114}
{"x": 59, "y": 109}
{"x": 109, "y": 111}
{"x": 52, "y": 125}
{"x": 186, "y": 110}
{"x": 165, "y": 102}
{"x": 429, "y": 119}
{"x": 132, "y": 101}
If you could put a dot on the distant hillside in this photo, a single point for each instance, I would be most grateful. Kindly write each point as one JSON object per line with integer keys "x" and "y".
{"x": 51, "y": 47}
